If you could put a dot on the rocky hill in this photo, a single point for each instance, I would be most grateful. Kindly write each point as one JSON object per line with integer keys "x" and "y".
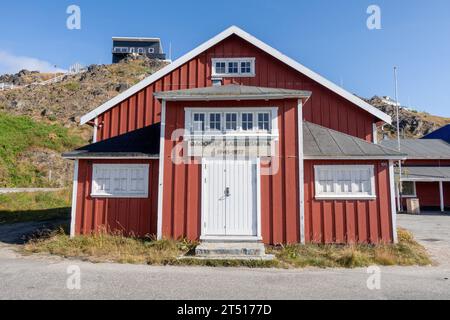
{"x": 75, "y": 95}
{"x": 39, "y": 122}
{"x": 413, "y": 123}
{"x": 53, "y": 111}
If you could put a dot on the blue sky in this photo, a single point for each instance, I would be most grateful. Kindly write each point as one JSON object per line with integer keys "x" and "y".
{"x": 328, "y": 36}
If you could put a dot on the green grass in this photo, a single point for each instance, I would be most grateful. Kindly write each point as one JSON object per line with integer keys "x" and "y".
{"x": 24, "y": 207}
{"x": 116, "y": 248}
{"x": 21, "y": 133}
{"x": 72, "y": 86}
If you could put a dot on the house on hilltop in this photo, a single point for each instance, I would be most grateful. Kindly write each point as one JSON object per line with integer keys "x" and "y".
{"x": 125, "y": 46}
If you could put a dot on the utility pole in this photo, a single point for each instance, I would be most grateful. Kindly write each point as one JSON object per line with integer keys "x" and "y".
{"x": 400, "y": 185}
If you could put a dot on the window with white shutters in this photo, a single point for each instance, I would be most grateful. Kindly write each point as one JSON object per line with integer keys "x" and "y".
{"x": 345, "y": 181}
{"x": 120, "y": 180}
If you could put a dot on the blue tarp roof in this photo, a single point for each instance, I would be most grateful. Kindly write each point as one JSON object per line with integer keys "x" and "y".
{"x": 442, "y": 133}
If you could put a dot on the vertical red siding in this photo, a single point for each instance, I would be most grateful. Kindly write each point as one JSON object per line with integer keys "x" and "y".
{"x": 131, "y": 216}
{"x": 324, "y": 108}
{"x": 348, "y": 221}
{"x": 182, "y": 182}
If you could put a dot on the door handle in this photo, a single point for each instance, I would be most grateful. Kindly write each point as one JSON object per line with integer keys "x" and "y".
{"x": 227, "y": 192}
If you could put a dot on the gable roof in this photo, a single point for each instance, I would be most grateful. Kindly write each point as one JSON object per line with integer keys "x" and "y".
{"x": 441, "y": 133}
{"x": 324, "y": 143}
{"x": 254, "y": 41}
{"x": 421, "y": 148}
{"x": 232, "y": 92}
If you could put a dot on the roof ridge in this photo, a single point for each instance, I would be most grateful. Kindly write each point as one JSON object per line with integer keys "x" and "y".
{"x": 254, "y": 41}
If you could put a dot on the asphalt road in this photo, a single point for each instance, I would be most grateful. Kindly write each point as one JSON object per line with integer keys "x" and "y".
{"x": 43, "y": 277}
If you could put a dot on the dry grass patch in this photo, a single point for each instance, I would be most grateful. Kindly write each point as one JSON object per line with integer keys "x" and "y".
{"x": 406, "y": 252}
{"x": 117, "y": 248}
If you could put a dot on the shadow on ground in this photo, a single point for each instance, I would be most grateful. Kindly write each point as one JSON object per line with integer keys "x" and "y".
{"x": 17, "y": 227}
{"x": 8, "y": 217}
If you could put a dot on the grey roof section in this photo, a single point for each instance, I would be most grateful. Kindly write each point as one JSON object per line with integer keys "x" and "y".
{"x": 232, "y": 92}
{"x": 142, "y": 143}
{"x": 425, "y": 173}
{"x": 324, "y": 143}
{"x": 421, "y": 148}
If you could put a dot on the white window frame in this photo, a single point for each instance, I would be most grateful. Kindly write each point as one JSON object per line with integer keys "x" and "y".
{"x": 141, "y": 50}
{"x": 151, "y": 50}
{"x": 348, "y": 195}
{"x": 95, "y": 192}
{"x": 273, "y": 122}
{"x": 414, "y": 195}
{"x": 252, "y": 72}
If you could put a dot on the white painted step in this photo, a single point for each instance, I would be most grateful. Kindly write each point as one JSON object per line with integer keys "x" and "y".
{"x": 230, "y": 249}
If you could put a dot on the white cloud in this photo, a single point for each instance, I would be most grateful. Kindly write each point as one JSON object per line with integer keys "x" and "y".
{"x": 10, "y": 63}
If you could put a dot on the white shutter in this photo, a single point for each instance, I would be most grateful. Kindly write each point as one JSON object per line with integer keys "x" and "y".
{"x": 345, "y": 182}
{"x": 120, "y": 180}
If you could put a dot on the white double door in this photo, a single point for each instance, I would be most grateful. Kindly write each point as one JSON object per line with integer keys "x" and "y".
{"x": 230, "y": 201}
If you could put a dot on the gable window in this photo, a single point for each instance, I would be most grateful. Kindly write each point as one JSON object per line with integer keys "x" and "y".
{"x": 345, "y": 182}
{"x": 246, "y": 67}
{"x": 409, "y": 189}
{"x": 233, "y": 67}
{"x": 120, "y": 180}
{"x": 247, "y": 121}
{"x": 220, "y": 68}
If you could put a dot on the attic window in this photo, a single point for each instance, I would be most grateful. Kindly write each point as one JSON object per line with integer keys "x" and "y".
{"x": 233, "y": 67}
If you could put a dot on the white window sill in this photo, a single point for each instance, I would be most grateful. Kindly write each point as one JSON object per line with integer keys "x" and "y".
{"x": 345, "y": 197}
{"x": 121, "y": 196}
{"x": 234, "y": 75}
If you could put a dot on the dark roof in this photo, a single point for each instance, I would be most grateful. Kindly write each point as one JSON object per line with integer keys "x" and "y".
{"x": 141, "y": 143}
{"x": 421, "y": 148}
{"x": 425, "y": 173}
{"x": 318, "y": 143}
{"x": 232, "y": 92}
{"x": 324, "y": 143}
{"x": 441, "y": 133}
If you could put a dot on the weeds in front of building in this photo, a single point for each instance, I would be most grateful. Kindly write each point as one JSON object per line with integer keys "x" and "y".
{"x": 104, "y": 247}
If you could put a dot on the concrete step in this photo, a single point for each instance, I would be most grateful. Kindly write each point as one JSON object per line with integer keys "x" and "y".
{"x": 230, "y": 250}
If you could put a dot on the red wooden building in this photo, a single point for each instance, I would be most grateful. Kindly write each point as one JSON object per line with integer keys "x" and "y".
{"x": 236, "y": 141}
{"x": 425, "y": 174}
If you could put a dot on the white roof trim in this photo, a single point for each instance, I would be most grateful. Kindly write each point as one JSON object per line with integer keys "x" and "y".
{"x": 135, "y": 39}
{"x": 258, "y": 43}
{"x": 387, "y": 157}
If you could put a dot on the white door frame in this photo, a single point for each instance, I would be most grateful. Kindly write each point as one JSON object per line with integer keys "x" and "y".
{"x": 258, "y": 237}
